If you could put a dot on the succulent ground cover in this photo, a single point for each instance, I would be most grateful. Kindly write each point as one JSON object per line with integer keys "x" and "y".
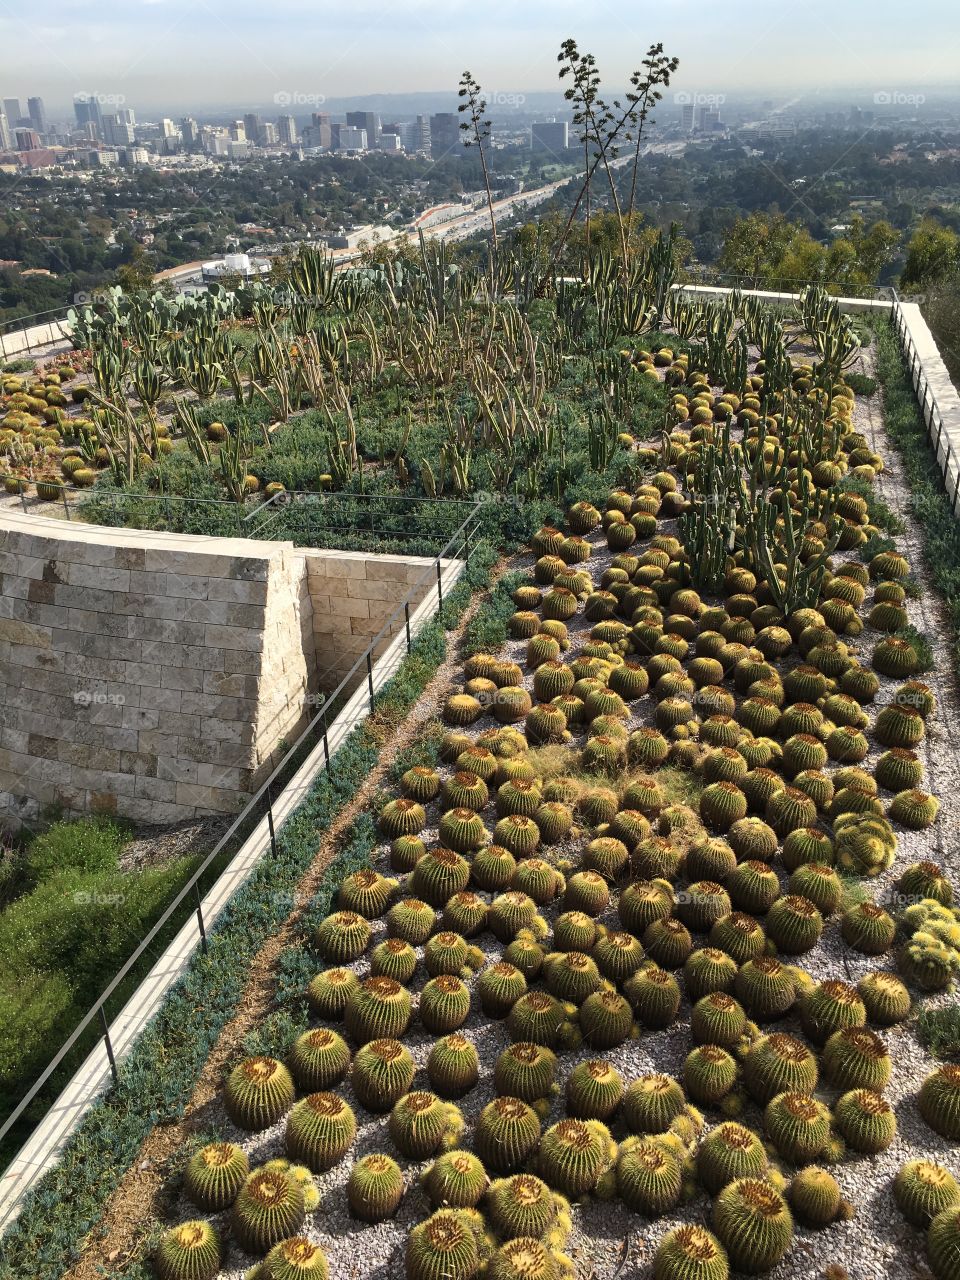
{"x": 629, "y": 983}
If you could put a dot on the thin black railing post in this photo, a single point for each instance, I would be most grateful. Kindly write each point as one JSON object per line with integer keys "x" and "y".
{"x": 370, "y": 676}
{"x": 203, "y": 932}
{"x": 326, "y": 741}
{"x": 109, "y": 1047}
{"x": 439, "y": 584}
{"x": 406, "y": 622}
{"x": 273, "y": 834}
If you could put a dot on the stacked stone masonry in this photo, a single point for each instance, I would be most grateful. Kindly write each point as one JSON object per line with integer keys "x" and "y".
{"x": 154, "y": 675}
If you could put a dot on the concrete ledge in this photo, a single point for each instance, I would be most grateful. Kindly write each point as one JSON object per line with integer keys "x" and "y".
{"x": 775, "y": 298}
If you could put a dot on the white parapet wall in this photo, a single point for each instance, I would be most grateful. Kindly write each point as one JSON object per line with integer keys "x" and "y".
{"x": 26, "y": 342}
{"x": 778, "y": 298}
{"x": 153, "y": 675}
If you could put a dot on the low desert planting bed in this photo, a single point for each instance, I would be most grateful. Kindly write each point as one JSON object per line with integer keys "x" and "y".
{"x": 628, "y": 970}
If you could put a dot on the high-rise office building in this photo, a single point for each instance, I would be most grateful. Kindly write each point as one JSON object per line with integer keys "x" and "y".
{"x": 444, "y": 133}
{"x": 352, "y": 138}
{"x": 548, "y": 137}
{"x": 708, "y": 119}
{"x": 6, "y": 138}
{"x": 369, "y": 121}
{"x": 323, "y": 129}
{"x": 189, "y": 131}
{"x": 11, "y": 109}
{"x": 238, "y": 131}
{"x": 268, "y": 134}
{"x": 686, "y": 117}
{"x": 38, "y": 117}
{"x": 28, "y": 140}
{"x": 86, "y": 108}
{"x": 252, "y": 127}
{"x": 287, "y": 131}
{"x": 117, "y": 131}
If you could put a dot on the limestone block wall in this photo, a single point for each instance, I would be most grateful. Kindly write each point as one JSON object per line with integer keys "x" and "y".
{"x": 154, "y": 675}
{"x": 133, "y": 667}
{"x": 353, "y": 594}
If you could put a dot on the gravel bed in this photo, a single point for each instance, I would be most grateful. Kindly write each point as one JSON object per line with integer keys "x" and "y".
{"x": 609, "y": 1241}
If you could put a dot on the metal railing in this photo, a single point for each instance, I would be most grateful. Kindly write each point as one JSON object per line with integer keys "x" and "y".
{"x": 929, "y": 406}
{"x": 315, "y": 732}
{"x": 23, "y": 325}
{"x": 304, "y": 516}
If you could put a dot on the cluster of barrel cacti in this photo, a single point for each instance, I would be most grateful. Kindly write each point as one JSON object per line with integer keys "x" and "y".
{"x": 541, "y": 872}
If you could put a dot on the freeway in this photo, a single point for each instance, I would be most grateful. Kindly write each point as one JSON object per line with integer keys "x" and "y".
{"x": 467, "y": 224}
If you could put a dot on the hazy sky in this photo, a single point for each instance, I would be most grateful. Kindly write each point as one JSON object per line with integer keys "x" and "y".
{"x": 190, "y": 53}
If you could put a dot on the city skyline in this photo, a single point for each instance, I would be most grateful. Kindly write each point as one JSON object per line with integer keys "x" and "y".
{"x": 165, "y": 53}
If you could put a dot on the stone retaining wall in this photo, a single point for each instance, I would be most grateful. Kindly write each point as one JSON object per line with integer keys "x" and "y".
{"x": 352, "y": 596}
{"x": 152, "y": 675}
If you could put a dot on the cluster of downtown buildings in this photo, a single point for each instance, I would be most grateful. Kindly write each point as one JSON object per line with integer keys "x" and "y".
{"x": 106, "y": 132}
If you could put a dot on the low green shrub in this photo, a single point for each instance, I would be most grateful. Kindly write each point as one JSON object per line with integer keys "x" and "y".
{"x": 939, "y": 1030}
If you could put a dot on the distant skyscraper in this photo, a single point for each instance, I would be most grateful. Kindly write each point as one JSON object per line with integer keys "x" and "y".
{"x": 268, "y": 134}
{"x": 86, "y": 108}
{"x": 238, "y": 131}
{"x": 252, "y": 127}
{"x": 38, "y": 117}
{"x": 686, "y": 117}
{"x": 27, "y": 140}
{"x": 189, "y": 131}
{"x": 117, "y": 132}
{"x": 11, "y": 109}
{"x": 287, "y": 130}
{"x": 323, "y": 130}
{"x": 367, "y": 120}
{"x": 708, "y": 119}
{"x": 6, "y": 138}
{"x": 444, "y": 134}
{"x": 549, "y": 137}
